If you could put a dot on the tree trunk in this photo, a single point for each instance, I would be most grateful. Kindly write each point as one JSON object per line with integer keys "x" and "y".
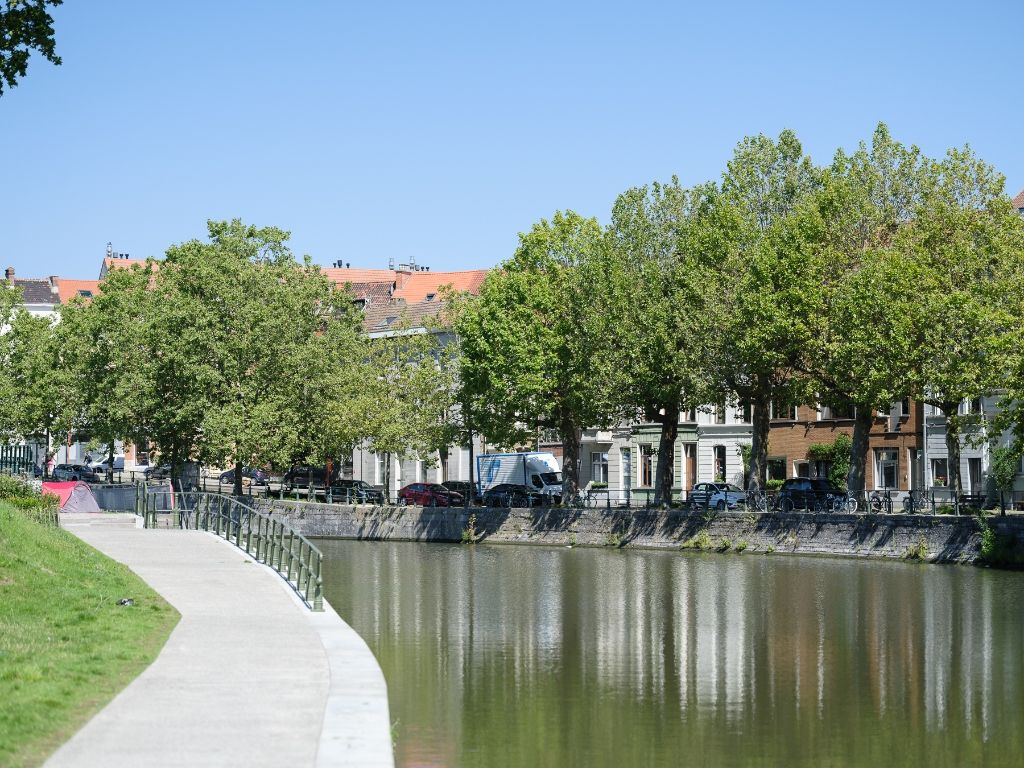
{"x": 442, "y": 472}
{"x": 666, "y": 455}
{"x": 110, "y": 463}
{"x": 761, "y": 418}
{"x": 570, "y": 461}
{"x": 387, "y": 478}
{"x": 953, "y": 447}
{"x": 238, "y": 478}
{"x": 472, "y": 468}
{"x": 857, "y": 476}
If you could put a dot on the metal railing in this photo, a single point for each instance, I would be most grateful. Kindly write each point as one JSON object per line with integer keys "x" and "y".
{"x": 266, "y": 539}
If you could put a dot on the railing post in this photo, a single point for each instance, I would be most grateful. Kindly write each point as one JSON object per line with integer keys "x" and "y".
{"x": 318, "y": 591}
{"x": 291, "y": 554}
{"x": 280, "y": 547}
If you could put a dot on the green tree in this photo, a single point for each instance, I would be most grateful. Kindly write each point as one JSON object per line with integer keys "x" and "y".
{"x": 25, "y": 25}
{"x": 35, "y": 396}
{"x": 864, "y": 338}
{"x": 106, "y": 357}
{"x": 240, "y": 333}
{"x": 967, "y": 252}
{"x": 400, "y": 383}
{"x": 534, "y": 347}
{"x": 769, "y": 289}
{"x": 661, "y": 298}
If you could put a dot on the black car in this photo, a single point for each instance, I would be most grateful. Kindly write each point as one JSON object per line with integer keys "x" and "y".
{"x": 512, "y": 495}
{"x": 253, "y": 475}
{"x": 305, "y": 476}
{"x": 817, "y": 495}
{"x": 465, "y": 489}
{"x": 356, "y": 492}
{"x": 161, "y": 472}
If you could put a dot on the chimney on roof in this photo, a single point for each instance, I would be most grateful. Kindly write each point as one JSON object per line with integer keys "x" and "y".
{"x": 347, "y": 264}
{"x": 54, "y": 284}
{"x": 110, "y": 249}
{"x": 9, "y": 275}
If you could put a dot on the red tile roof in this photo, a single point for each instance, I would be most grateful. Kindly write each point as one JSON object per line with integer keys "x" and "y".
{"x": 411, "y": 286}
{"x": 1018, "y": 201}
{"x": 68, "y": 289}
{"x": 419, "y": 285}
{"x": 343, "y": 275}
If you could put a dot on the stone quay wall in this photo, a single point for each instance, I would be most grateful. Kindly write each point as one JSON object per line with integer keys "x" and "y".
{"x": 937, "y": 538}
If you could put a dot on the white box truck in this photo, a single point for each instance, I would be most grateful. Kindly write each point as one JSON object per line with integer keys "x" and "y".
{"x": 539, "y": 471}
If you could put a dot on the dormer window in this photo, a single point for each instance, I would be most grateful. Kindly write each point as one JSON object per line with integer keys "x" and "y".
{"x": 431, "y": 296}
{"x": 85, "y": 294}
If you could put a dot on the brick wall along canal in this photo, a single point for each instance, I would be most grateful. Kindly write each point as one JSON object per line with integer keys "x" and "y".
{"x": 542, "y": 656}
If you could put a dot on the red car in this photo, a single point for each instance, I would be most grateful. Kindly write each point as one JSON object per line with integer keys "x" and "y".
{"x": 428, "y": 495}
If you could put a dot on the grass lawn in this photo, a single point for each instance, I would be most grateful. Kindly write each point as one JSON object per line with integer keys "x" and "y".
{"x": 66, "y": 646}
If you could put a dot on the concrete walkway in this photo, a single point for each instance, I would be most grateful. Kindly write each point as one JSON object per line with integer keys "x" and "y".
{"x": 249, "y": 676}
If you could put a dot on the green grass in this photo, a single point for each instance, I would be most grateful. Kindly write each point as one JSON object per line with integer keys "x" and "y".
{"x": 66, "y": 646}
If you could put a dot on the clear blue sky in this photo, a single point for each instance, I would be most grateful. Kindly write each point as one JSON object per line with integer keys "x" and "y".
{"x": 440, "y": 130}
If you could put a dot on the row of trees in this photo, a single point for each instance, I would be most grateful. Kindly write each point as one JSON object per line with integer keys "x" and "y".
{"x": 884, "y": 275}
{"x": 225, "y": 350}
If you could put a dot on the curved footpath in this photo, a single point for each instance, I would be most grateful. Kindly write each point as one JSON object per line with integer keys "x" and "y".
{"x": 249, "y": 676}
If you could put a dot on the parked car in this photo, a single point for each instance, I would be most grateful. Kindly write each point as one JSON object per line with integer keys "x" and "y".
{"x": 514, "y": 495}
{"x": 160, "y": 472}
{"x": 253, "y": 475}
{"x": 75, "y": 472}
{"x": 467, "y": 490}
{"x": 356, "y": 491}
{"x": 818, "y": 495}
{"x": 103, "y": 466}
{"x": 719, "y": 496}
{"x": 304, "y": 475}
{"x": 429, "y": 495}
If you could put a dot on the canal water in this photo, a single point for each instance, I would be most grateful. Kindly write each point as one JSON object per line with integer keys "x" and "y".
{"x": 537, "y": 656}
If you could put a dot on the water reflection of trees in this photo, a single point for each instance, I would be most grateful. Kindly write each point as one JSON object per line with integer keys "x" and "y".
{"x": 503, "y": 655}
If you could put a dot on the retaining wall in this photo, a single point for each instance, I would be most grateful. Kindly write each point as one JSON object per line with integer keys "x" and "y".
{"x": 937, "y": 538}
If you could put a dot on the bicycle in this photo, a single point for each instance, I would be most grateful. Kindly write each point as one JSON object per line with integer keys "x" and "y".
{"x": 917, "y": 502}
{"x": 757, "y": 500}
{"x": 881, "y": 502}
{"x": 847, "y": 503}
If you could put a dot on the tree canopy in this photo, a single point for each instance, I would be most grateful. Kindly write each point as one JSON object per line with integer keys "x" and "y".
{"x": 25, "y": 26}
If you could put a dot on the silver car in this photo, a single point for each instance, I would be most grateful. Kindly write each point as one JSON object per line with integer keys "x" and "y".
{"x": 717, "y": 496}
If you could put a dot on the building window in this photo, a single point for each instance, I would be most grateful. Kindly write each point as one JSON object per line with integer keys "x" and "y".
{"x": 905, "y": 406}
{"x": 940, "y": 472}
{"x": 843, "y": 411}
{"x": 974, "y": 406}
{"x": 886, "y": 465}
{"x": 780, "y": 410}
{"x": 822, "y": 468}
{"x": 599, "y": 467}
{"x": 646, "y": 465}
{"x": 627, "y": 468}
{"x": 690, "y": 416}
{"x": 776, "y": 469}
{"x": 803, "y": 468}
{"x": 720, "y": 467}
{"x": 720, "y": 413}
{"x": 974, "y": 473}
{"x": 746, "y": 413}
